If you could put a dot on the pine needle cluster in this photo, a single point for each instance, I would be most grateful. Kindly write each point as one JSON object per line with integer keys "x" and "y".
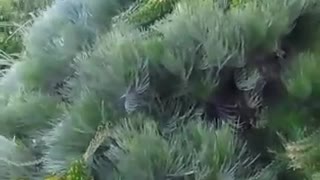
{"x": 165, "y": 90}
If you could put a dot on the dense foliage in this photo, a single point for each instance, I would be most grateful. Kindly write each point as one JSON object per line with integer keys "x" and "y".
{"x": 15, "y": 17}
{"x": 165, "y": 90}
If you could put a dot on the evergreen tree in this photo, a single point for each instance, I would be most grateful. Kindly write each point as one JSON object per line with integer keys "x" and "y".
{"x": 165, "y": 90}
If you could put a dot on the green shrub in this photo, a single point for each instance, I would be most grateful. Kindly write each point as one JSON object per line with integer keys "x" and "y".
{"x": 150, "y": 90}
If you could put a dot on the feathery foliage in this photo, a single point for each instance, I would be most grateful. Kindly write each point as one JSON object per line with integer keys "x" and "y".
{"x": 152, "y": 90}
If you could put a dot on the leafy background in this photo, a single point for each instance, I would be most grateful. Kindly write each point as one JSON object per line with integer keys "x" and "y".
{"x": 15, "y": 17}
{"x": 160, "y": 89}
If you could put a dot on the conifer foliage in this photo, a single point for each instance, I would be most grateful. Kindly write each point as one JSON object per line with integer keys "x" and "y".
{"x": 165, "y": 90}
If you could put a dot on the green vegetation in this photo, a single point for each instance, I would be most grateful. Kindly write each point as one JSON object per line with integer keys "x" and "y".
{"x": 15, "y": 17}
{"x": 163, "y": 90}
